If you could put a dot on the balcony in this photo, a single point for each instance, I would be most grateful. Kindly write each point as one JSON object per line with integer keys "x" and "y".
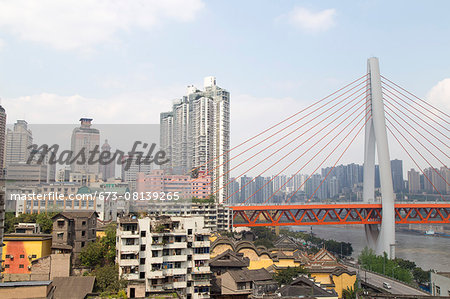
{"x": 128, "y": 233}
{"x": 155, "y": 274}
{"x": 179, "y": 284}
{"x": 131, "y": 276}
{"x": 129, "y": 262}
{"x": 175, "y": 245}
{"x": 200, "y": 244}
{"x": 156, "y": 260}
{"x": 172, "y": 272}
{"x": 129, "y": 249}
{"x": 201, "y": 282}
{"x": 175, "y": 258}
{"x": 200, "y": 295}
{"x": 201, "y": 270}
{"x": 156, "y": 288}
{"x": 157, "y": 246}
{"x": 201, "y": 256}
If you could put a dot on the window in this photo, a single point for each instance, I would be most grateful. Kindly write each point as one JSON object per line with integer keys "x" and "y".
{"x": 33, "y": 256}
{"x": 22, "y": 256}
{"x": 154, "y": 253}
{"x": 438, "y": 290}
{"x": 143, "y": 233}
{"x": 142, "y": 261}
{"x": 60, "y": 223}
{"x": 82, "y": 244}
{"x": 190, "y": 231}
{"x": 6, "y": 266}
{"x": 83, "y": 223}
{"x": 83, "y": 233}
{"x": 142, "y": 275}
{"x": 143, "y": 247}
{"x": 201, "y": 250}
{"x": 21, "y": 266}
{"x": 60, "y": 235}
{"x": 7, "y": 256}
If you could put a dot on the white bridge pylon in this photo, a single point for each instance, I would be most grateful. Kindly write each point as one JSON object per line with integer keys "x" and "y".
{"x": 380, "y": 238}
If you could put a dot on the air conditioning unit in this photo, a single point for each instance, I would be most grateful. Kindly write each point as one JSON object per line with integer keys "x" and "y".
{"x": 29, "y": 267}
{"x": 30, "y": 256}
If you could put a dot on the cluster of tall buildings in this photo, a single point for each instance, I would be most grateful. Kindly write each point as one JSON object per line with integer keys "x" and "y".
{"x": 195, "y": 135}
{"x": 343, "y": 182}
{"x": 433, "y": 180}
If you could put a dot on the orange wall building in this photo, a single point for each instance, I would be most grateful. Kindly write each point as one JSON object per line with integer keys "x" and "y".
{"x": 21, "y": 249}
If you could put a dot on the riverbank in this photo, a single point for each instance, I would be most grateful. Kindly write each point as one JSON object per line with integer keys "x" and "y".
{"x": 428, "y": 252}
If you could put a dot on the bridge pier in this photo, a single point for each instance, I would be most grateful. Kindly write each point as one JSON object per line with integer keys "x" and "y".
{"x": 380, "y": 238}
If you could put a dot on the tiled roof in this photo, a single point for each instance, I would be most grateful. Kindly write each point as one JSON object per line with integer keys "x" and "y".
{"x": 245, "y": 275}
{"x": 230, "y": 258}
{"x": 76, "y": 214}
{"x": 73, "y": 287}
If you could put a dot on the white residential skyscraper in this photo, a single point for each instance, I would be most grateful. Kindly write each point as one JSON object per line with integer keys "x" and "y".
{"x": 196, "y": 133}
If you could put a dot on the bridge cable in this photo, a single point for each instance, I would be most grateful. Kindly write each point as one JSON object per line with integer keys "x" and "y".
{"x": 297, "y": 148}
{"x": 283, "y": 121}
{"x": 424, "y": 114}
{"x": 417, "y": 165}
{"x": 412, "y": 135}
{"x": 334, "y": 165}
{"x": 318, "y": 152}
{"x": 284, "y": 128}
{"x": 299, "y": 127}
{"x": 417, "y": 123}
{"x": 406, "y": 139}
{"x": 416, "y": 98}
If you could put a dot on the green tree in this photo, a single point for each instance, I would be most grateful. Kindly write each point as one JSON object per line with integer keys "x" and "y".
{"x": 421, "y": 276}
{"x": 405, "y": 263}
{"x": 286, "y": 276}
{"x": 93, "y": 254}
{"x": 109, "y": 243}
{"x": 45, "y": 222}
{"x": 349, "y": 293}
{"x": 107, "y": 279}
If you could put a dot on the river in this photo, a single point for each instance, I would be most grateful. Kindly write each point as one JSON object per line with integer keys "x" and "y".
{"x": 428, "y": 252}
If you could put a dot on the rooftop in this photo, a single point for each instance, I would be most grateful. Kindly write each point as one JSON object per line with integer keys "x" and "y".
{"x": 25, "y": 283}
{"x": 73, "y": 214}
{"x": 65, "y": 286}
{"x": 246, "y": 275}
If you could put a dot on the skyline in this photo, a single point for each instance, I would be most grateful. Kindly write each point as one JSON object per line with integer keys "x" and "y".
{"x": 65, "y": 70}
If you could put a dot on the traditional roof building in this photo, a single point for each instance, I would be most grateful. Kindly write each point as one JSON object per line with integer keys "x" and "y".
{"x": 305, "y": 287}
{"x": 247, "y": 282}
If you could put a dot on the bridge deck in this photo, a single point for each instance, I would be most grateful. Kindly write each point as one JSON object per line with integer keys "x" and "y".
{"x": 333, "y": 214}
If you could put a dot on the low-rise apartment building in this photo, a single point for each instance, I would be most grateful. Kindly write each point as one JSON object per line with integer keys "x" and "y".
{"x": 72, "y": 231}
{"x": 165, "y": 254}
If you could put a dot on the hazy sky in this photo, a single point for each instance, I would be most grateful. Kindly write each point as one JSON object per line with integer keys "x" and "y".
{"x": 125, "y": 61}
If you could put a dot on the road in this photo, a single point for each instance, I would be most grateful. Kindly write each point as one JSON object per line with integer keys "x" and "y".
{"x": 377, "y": 281}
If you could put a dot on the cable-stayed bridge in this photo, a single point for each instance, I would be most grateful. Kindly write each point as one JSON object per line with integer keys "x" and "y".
{"x": 322, "y": 133}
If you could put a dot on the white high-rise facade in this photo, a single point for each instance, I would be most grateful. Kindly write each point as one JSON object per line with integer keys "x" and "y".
{"x": 18, "y": 142}
{"x": 164, "y": 254}
{"x": 196, "y": 134}
{"x": 85, "y": 139}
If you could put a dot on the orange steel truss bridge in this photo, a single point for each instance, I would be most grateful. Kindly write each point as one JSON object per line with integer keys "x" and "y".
{"x": 319, "y": 136}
